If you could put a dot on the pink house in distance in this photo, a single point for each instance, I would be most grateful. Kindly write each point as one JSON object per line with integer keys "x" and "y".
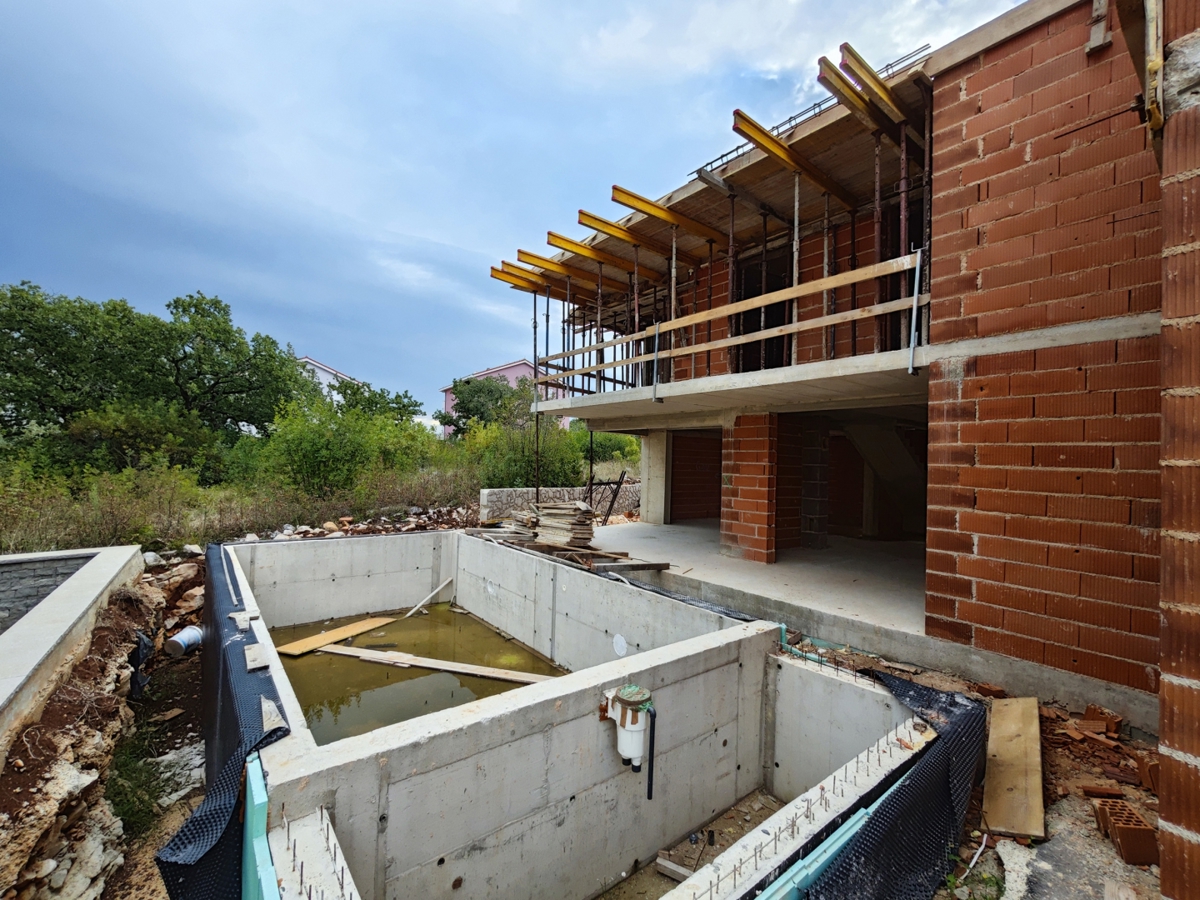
{"x": 511, "y": 372}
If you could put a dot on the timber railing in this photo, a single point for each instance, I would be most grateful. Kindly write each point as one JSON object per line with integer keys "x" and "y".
{"x": 640, "y": 354}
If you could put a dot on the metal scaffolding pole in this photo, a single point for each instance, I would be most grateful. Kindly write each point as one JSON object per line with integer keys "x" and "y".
{"x": 795, "y": 308}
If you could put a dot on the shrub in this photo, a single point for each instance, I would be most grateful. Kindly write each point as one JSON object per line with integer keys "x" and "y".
{"x": 506, "y": 456}
{"x": 323, "y": 448}
{"x": 606, "y": 446}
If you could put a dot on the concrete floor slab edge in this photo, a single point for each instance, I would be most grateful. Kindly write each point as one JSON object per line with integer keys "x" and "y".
{"x": 1019, "y": 677}
{"x": 52, "y": 635}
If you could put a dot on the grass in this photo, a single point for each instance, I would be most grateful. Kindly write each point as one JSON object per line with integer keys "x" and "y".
{"x": 165, "y": 508}
{"x": 134, "y": 786}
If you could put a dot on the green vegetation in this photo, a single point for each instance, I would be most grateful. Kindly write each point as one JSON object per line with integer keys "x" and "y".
{"x": 118, "y": 426}
{"x": 134, "y": 786}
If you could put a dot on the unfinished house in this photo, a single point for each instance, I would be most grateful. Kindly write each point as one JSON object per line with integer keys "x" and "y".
{"x": 920, "y": 362}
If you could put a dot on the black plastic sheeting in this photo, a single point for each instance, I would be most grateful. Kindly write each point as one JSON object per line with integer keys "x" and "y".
{"x": 203, "y": 861}
{"x": 904, "y": 850}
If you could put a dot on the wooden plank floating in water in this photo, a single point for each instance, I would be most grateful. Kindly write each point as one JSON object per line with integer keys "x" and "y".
{"x": 1012, "y": 787}
{"x": 404, "y": 660}
{"x": 317, "y": 641}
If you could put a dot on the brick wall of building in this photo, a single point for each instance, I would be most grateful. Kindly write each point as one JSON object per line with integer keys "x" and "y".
{"x": 789, "y": 489}
{"x": 1179, "y": 733}
{"x": 695, "y": 475}
{"x": 1042, "y": 213}
{"x": 749, "y": 457}
{"x": 1043, "y": 537}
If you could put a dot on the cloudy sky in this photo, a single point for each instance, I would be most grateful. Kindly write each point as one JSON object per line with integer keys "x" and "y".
{"x": 343, "y": 174}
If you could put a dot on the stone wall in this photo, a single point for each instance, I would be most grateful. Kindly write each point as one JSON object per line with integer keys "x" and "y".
{"x": 496, "y": 503}
{"x": 25, "y": 583}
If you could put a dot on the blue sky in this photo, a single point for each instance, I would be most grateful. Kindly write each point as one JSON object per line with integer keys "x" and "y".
{"x": 343, "y": 174}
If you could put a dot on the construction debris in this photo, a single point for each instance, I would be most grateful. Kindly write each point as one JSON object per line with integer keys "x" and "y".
{"x": 1134, "y": 838}
{"x": 560, "y": 524}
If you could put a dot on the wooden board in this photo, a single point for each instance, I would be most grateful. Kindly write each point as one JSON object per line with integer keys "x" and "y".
{"x": 398, "y": 658}
{"x": 631, "y": 567}
{"x": 1012, "y": 787}
{"x": 317, "y": 641}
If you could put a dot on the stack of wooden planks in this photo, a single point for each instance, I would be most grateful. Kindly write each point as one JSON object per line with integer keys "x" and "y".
{"x": 564, "y": 524}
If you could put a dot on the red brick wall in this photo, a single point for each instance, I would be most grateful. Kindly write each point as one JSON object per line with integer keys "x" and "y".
{"x": 1038, "y": 217}
{"x": 1043, "y": 537}
{"x": 789, "y": 481}
{"x": 1180, "y": 698}
{"x": 748, "y": 482}
{"x": 695, "y": 475}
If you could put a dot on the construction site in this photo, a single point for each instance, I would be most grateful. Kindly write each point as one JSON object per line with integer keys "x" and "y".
{"x": 909, "y": 588}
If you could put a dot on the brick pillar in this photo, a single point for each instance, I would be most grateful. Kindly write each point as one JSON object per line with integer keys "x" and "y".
{"x": 814, "y": 491}
{"x": 749, "y": 472}
{"x": 1179, "y": 694}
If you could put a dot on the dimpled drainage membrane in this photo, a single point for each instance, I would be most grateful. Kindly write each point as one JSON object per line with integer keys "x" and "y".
{"x": 343, "y": 697}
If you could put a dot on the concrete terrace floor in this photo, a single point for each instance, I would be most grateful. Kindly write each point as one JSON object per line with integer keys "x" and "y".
{"x": 876, "y": 582}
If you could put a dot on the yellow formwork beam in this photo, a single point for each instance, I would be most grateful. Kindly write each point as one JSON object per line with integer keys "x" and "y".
{"x": 574, "y": 272}
{"x": 765, "y": 141}
{"x": 621, "y": 233}
{"x": 664, "y": 214}
{"x": 878, "y": 92}
{"x": 580, "y": 249}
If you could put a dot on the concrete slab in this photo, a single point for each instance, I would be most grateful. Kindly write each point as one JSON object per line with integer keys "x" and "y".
{"x": 875, "y": 582}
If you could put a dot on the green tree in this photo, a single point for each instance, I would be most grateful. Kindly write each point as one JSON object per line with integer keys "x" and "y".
{"x": 61, "y": 357}
{"x": 482, "y": 400}
{"x": 402, "y": 407}
{"x": 229, "y": 380}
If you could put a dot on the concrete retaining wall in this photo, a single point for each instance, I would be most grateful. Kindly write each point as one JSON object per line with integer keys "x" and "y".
{"x": 44, "y": 644}
{"x": 567, "y": 614}
{"x": 823, "y": 720}
{"x": 26, "y": 582}
{"x": 320, "y": 578}
{"x": 523, "y": 794}
{"x": 495, "y": 503}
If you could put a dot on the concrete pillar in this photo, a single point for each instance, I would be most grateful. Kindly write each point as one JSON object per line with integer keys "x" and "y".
{"x": 814, "y": 491}
{"x": 1179, "y": 690}
{"x": 656, "y": 478}
{"x": 749, "y": 472}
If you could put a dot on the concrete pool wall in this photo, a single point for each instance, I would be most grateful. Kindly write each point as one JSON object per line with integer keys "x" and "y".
{"x": 523, "y": 794}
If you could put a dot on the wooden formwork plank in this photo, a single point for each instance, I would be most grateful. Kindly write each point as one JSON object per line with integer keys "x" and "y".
{"x": 1012, "y": 788}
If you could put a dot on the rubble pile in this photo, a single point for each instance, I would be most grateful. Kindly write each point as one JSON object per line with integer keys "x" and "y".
{"x": 441, "y": 518}
{"x": 61, "y": 840}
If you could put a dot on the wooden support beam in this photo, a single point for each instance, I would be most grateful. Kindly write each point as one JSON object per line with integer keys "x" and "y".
{"x": 664, "y": 214}
{"x": 617, "y": 262}
{"x": 575, "y": 273}
{"x": 848, "y": 315}
{"x": 765, "y": 141}
{"x": 621, "y": 233}
{"x": 405, "y": 660}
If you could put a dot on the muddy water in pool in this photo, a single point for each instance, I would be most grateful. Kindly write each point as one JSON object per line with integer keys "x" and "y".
{"x": 343, "y": 696}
